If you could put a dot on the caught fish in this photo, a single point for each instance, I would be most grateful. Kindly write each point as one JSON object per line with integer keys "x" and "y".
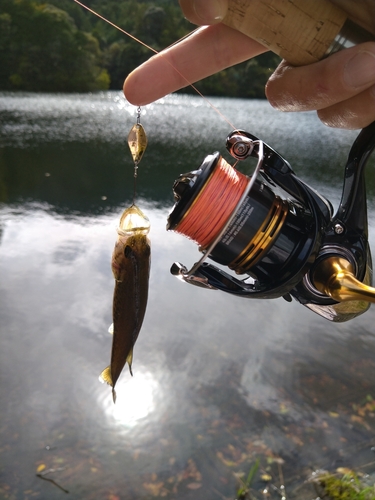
{"x": 131, "y": 268}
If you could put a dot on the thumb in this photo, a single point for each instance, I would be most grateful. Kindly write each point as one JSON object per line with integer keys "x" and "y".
{"x": 203, "y": 12}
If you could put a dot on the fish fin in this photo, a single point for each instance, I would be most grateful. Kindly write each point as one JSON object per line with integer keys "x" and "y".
{"x": 106, "y": 376}
{"x": 129, "y": 360}
{"x": 110, "y": 329}
{"x": 113, "y": 395}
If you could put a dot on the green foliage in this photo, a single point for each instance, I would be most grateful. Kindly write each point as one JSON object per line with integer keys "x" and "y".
{"x": 242, "y": 492}
{"x": 60, "y": 46}
{"x": 121, "y": 58}
{"x": 43, "y": 50}
{"x": 344, "y": 487}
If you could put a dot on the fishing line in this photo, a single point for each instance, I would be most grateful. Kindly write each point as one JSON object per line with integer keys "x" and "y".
{"x": 225, "y": 186}
{"x": 156, "y": 52}
{"x": 214, "y": 204}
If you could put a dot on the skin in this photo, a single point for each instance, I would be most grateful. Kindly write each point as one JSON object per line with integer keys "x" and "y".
{"x": 341, "y": 88}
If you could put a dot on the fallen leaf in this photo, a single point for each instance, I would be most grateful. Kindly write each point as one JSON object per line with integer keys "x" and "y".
{"x": 266, "y": 477}
{"x": 333, "y": 414}
{"x": 229, "y": 463}
{"x": 283, "y": 408}
{"x": 154, "y": 488}
{"x": 275, "y": 460}
{"x": 40, "y": 467}
{"x": 297, "y": 440}
{"x": 192, "y": 471}
{"x": 194, "y": 486}
{"x": 345, "y": 470}
{"x": 360, "y": 420}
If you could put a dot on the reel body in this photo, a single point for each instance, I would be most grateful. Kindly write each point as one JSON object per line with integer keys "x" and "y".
{"x": 275, "y": 232}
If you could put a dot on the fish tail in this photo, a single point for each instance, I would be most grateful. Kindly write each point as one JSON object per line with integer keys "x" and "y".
{"x": 106, "y": 376}
{"x": 129, "y": 360}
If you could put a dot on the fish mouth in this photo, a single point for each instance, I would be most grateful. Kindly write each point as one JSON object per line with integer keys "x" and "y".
{"x": 133, "y": 221}
{"x": 131, "y": 232}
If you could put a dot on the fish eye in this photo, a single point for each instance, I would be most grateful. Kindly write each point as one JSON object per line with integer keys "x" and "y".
{"x": 128, "y": 251}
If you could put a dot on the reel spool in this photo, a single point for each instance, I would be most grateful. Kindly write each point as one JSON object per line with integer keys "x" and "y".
{"x": 265, "y": 236}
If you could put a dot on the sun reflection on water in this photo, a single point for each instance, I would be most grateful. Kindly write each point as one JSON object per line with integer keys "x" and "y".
{"x": 135, "y": 399}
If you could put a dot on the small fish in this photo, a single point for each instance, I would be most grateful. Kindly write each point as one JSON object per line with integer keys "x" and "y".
{"x": 131, "y": 268}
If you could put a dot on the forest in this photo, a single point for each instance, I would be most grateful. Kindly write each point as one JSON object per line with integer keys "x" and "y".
{"x": 58, "y": 46}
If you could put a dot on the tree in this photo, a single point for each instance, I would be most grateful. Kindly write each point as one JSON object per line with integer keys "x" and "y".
{"x": 121, "y": 58}
{"x": 48, "y": 52}
{"x": 60, "y": 46}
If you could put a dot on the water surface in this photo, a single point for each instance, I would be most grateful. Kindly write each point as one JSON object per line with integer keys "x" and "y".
{"x": 218, "y": 381}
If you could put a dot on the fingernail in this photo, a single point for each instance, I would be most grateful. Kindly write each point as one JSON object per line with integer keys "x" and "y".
{"x": 360, "y": 70}
{"x": 210, "y": 11}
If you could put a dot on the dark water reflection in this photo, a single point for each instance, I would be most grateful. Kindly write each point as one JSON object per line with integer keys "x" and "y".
{"x": 218, "y": 382}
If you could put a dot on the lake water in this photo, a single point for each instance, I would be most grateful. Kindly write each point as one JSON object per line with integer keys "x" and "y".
{"x": 219, "y": 382}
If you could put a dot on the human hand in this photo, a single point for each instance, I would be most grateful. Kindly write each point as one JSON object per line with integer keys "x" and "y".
{"x": 340, "y": 88}
{"x": 204, "y": 52}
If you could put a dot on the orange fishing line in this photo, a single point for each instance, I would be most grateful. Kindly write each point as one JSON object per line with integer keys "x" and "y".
{"x": 214, "y": 204}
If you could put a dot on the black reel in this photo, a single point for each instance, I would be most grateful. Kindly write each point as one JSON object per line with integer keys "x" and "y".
{"x": 283, "y": 238}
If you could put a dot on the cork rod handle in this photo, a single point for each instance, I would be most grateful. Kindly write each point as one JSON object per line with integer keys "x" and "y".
{"x": 300, "y": 31}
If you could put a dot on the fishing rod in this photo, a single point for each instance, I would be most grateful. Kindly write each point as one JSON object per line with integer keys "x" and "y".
{"x": 277, "y": 235}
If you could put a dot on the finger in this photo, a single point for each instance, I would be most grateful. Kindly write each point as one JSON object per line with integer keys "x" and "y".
{"x": 203, "y": 12}
{"x": 354, "y": 113}
{"x": 207, "y": 51}
{"x": 325, "y": 83}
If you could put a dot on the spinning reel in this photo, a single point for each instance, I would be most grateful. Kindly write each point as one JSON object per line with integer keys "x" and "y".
{"x": 279, "y": 237}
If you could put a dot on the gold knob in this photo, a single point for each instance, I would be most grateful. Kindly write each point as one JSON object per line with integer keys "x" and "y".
{"x": 334, "y": 276}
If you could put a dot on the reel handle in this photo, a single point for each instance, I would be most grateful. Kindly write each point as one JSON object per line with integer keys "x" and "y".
{"x": 334, "y": 276}
{"x": 300, "y": 31}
